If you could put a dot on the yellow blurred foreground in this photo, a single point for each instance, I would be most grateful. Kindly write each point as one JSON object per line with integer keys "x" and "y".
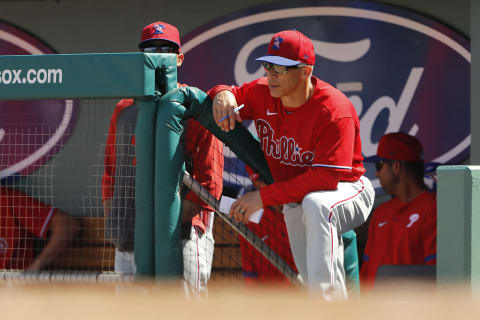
{"x": 232, "y": 301}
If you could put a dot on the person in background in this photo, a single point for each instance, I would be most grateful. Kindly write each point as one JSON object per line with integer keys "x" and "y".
{"x": 24, "y": 219}
{"x": 204, "y": 161}
{"x": 402, "y": 230}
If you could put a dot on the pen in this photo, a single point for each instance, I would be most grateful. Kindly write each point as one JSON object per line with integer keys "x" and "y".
{"x": 236, "y": 109}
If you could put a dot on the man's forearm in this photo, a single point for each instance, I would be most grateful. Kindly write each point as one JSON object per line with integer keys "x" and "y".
{"x": 63, "y": 229}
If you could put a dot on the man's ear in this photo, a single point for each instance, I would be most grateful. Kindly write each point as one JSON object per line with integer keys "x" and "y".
{"x": 397, "y": 166}
{"x": 308, "y": 71}
{"x": 180, "y": 58}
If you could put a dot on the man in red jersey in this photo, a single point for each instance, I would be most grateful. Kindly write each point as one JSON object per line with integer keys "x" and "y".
{"x": 22, "y": 219}
{"x": 402, "y": 230}
{"x": 204, "y": 160}
{"x": 310, "y": 136}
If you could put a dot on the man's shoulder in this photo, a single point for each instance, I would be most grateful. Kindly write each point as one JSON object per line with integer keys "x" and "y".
{"x": 427, "y": 199}
{"x": 256, "y": 94}
{"x": 386, "y": 206}
{"x": 325, "y": 89}
{"x": 333, "y": 99}
{"x": 258, "y": 85}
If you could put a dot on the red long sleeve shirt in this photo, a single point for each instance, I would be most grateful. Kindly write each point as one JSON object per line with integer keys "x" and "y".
{"x": 309, "y": 148}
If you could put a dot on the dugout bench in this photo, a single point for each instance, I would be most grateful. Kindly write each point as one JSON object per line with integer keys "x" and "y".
{"x": 92, "y": 253}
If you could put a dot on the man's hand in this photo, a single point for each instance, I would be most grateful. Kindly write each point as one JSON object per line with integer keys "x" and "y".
{"x": 247, "y": 204}
{"x": 259, "y": 184}
{"x": 63, "y": 229}
{"x": 223, "y": 105}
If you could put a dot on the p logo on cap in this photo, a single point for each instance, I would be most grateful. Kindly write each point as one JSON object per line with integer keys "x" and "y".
{"x": 290, "y": 48}
{"x": 160, "y": 31}
{"x": 158, "y": 28}
{"x": 276, "y": 43}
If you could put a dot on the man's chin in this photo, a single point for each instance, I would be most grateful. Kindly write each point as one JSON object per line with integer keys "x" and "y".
{"x": 274, "y": 92}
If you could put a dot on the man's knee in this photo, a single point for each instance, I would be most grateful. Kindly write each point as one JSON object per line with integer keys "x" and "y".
{"x": 315, "y": 208}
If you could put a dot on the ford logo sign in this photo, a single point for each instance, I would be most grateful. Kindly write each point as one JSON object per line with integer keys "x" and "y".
{"x": 31, "y": 132}
{"x": 402, "y": 71}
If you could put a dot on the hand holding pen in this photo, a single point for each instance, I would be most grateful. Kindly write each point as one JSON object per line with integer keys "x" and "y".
{"x": 225, "y": 110}
{"x": 235, "y": 110}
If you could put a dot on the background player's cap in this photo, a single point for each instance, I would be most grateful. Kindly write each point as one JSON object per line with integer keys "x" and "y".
{"x": 398, "y": 146}
{"x": 289, "y": 48}
{"x": 160, "y": 31}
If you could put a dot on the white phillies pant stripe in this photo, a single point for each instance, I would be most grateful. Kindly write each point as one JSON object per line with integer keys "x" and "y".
{"x": 331, "y": 166}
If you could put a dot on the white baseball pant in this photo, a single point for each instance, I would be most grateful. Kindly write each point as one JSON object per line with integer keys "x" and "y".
{"x": 315, "y": 228}
{"x": 198, "y": 258}
{"x": 125, "y": 262}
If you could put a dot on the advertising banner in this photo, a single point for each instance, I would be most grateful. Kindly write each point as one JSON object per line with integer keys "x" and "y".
{"x": 401, "y": 70}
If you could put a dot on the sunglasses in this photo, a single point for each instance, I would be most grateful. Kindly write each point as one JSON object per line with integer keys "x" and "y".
{"x": 379, "y": 164}
{"x": 280, "y": 69}
{"x": 160, "y": 49}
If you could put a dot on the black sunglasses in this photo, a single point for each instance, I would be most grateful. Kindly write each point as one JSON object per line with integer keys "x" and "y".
{"x": 160, "y": 49}
{"x": 379, "y": 164}
{"x": 280, "y": 69}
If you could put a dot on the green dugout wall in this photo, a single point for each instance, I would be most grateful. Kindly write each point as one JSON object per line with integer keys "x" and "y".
{"x": 145, "y": 77}
{"x": 458, "y": 225}
{"x": 62, "y": 76}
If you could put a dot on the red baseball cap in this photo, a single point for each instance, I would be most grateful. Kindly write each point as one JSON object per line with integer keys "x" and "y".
{"x": 160, "y": 31}
{"x": 290, "y": 48}
{"x": 398, "y": 146}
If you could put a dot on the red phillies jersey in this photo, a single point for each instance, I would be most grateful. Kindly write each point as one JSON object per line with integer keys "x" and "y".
{"x": 309, "y": 148}
{"x": 204, "y": 148}
{"x": 401, "y": 233}
{"x": 22, "y": 218}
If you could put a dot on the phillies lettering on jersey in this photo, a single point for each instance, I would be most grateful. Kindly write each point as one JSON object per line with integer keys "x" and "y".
{"x": 303, "y": 161}
{"x": 284, "y": 149}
